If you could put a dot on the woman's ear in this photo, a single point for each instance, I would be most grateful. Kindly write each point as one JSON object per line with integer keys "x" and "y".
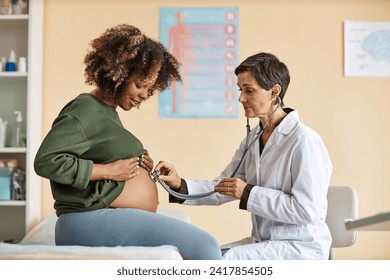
{"x": 276, "y": 89}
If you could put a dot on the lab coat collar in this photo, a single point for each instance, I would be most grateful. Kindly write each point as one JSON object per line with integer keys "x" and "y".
{"x": 285, "y": 127}
{"x": 289, "y": 122}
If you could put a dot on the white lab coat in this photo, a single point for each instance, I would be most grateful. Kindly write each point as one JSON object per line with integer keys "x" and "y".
{"x": 288, "y": 203}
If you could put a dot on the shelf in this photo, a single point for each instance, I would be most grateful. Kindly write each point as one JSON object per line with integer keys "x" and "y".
{"x": 14, "y": 17}
{"x": 13, "y": 21}
{"x": 12, "y": 203}
{"x": 22, "y": 91}
{"x": 13, "y": 76}
{"x": 13, "y": 150}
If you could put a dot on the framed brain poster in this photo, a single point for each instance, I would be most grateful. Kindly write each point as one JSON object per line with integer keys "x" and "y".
{"x": 366, "y": 49}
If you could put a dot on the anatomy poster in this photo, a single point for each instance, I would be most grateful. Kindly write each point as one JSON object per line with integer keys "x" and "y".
{"x": 367, "y": 49}
{"x": 205, "y": 41}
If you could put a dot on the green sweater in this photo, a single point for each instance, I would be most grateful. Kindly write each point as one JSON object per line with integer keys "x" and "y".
{"x": 86, "y": 131}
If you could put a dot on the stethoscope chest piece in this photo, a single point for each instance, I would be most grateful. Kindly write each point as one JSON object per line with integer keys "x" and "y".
{"x": 154, "y": 177}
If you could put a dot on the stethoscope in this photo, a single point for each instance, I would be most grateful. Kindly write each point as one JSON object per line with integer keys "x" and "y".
{"x": 156, "y": 173}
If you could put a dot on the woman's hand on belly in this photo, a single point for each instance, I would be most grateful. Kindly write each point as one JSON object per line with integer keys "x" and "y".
{"x": 139, "y": 192}
{"x": 120, "y": 170}
{"x": 147, "y": 161}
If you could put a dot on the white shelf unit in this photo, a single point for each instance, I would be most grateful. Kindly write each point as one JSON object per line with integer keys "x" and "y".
{"x": 22, "y": 92}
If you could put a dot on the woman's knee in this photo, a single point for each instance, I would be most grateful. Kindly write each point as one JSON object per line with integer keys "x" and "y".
{"x": 202, "y": 246}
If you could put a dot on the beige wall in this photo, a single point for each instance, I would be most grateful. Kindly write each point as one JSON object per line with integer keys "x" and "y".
{"x": 351, "y": 114}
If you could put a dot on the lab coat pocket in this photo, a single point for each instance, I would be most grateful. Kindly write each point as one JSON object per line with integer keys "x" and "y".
{"x": 293, "y": 232}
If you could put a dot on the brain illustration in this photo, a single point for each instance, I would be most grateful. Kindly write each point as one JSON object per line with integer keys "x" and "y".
{"x": 377, "y": 45}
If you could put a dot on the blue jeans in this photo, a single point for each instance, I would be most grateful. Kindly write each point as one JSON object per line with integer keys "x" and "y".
{"x": 132, "y": 227}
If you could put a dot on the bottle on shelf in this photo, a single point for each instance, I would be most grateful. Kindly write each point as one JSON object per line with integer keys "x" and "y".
{"x": 22, "y": 66}
{"x": 3, "y": 132}
{"x": 18, "y": 128}
{"x": 3, "y": 61}
{"x": 10, "y": 65}
{"x": 19, "y": 7}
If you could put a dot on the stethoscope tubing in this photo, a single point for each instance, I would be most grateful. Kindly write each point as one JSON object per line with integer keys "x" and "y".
{"x": 154, "y": 175}
{"x": 176, "y": 194}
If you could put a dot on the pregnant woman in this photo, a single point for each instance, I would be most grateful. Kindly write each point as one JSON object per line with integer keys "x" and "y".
{"x": 98, "y": 170}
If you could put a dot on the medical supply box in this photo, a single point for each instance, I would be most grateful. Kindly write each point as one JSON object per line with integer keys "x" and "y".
{"x": 5, "y": 184}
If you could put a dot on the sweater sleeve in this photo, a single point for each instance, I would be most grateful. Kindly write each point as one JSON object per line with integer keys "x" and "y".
{"x": 59, "y": 157}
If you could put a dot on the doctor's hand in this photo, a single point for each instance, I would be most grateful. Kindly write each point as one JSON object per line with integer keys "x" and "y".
{"x": 231, "y": 186}
{"x": 168, "y": 174}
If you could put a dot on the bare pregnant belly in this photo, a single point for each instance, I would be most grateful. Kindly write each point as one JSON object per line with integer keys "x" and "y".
{"x": 139, "y": 192}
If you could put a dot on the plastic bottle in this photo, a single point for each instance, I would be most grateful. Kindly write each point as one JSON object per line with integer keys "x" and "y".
{"x": 3, "y": 132}
{"x": 22, "y": 67}
{"x": 18, "y": 128}
{"x": 19, "y": 7}
{"x": 11, "y": 63}
{"x": 3, "y": 60}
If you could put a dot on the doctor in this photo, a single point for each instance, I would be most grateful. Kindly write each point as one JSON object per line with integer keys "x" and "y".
{"x": 280, "y": 173}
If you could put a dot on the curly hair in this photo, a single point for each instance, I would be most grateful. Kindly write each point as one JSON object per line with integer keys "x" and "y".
{"x": 122, "y": 52}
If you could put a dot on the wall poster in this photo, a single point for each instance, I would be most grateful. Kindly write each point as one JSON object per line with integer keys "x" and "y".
{"x": 205, "y": 41}
{"x": 366, "y": 49}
